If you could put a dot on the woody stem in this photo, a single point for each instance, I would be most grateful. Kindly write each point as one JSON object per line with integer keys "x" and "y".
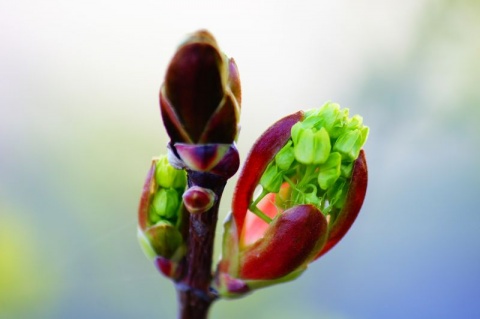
{"x": 194, "y": 293}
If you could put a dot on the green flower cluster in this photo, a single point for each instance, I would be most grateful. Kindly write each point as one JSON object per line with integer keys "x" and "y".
{"x": 317, "y": 161}
{"x": 171, "y": 183}
{"x": 163, "y": 236}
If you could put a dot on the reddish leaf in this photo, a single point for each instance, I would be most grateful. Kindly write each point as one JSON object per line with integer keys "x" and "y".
{"x": 353, "y": 204}
{"x": 262, "y": 152}
{"x": 289, "y": 242}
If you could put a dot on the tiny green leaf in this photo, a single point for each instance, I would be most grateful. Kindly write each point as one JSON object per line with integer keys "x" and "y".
{"x": 285, "y": 157}
{"x": 272, "y": 179}
{"x": 329, "y": 171}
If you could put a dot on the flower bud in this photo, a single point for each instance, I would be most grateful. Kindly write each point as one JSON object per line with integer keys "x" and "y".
{"x": 161, "y": 215}
{"x": 198, "y": 199}
{"x": 272, "y": 179}
{"x": 167, "y": 176}
{"x": 165, "y": 203}
{"x": 312, "y": 147}
{"x": 285, "y": 157}
{"x": 349, "y": 144}
{"x": 165, "y": 239}
{"x": 311, "y": 200}
{"x": 200, "y": 98}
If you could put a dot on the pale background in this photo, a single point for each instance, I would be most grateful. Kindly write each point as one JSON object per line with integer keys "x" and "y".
{"x": 79, "y": 122}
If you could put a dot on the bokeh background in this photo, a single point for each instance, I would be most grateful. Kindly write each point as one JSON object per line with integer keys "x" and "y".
{"x": 79, "y": 123}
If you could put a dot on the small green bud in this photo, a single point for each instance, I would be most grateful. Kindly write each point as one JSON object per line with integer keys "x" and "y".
{"x": 165, "y": 239}
{"x": 272, "y": 179}
{"x": 338, "y": 127}
{"x": 355, "y": 122}
{"x": 312, "y": 147}
{"x": 295, "y": 131}
{"x": 328, "y": 115}
{"x": 349, "y": 144}
{"x": 329, "y": 171}
{"x": 153, "y": 217}
{"x": 346, "y": 169}
{"x": 313, "y": 121}
{"x": 167, "y": 176}
{"x": 165, "y": 203}
{"x": 285, "y": 157}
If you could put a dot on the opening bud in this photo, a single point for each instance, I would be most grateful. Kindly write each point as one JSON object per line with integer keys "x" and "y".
{"x": 321, "y": 184}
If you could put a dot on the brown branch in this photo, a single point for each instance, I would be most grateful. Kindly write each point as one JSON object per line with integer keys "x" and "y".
{"x": 194, "y": 292}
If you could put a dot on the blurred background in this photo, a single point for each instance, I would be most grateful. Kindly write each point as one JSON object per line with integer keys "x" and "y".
{"x": 79, "y": 123}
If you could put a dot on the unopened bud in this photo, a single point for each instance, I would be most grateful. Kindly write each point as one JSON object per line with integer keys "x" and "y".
{"x": 200, "y": 98}
{"x": 165, "y": 240}
{"x": 198, "y": 199}
{"x": 166, "y": 203}
{"x": 285, "y": 157}
{"x": 167, "y": 176}
{"x": 349, "y": 144}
